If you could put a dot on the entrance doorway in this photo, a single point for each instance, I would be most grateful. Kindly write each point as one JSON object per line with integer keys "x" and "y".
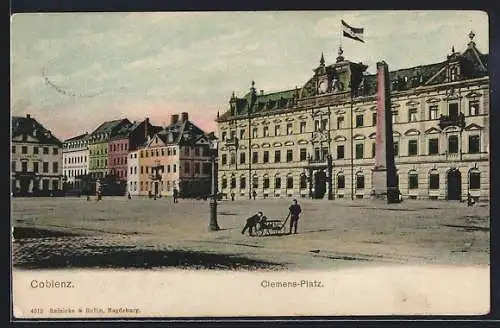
{"x": 454, "y": 179}
{"x": 24, "y": 186}
{"x": 319, "y": 184}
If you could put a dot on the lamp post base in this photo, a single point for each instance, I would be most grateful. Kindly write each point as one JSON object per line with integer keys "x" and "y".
{"x": 214, "y": 226}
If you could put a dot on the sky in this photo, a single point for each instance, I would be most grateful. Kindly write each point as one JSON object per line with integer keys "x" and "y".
{"x": 73, "y": 71}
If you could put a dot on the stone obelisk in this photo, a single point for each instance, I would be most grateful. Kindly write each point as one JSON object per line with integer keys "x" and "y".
{"x": 384, "y": 173}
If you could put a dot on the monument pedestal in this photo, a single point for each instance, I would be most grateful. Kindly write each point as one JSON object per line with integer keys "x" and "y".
{"x": 379, "y": 183}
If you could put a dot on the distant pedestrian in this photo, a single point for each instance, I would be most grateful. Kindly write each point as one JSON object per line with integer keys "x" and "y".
{"x": 128, "y": 196}
{"x": 254, "y": 194}
{"x": 251, "y": 223}
{"x": 176, "y": 195}
{"x": 232, "y": 196}
{"x": 294, "y": 212}
{"x": 470, "y": 200}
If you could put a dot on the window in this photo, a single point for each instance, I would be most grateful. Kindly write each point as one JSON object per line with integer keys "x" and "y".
{"x": 174, "y": 168}
{"x": 205, "y": 168}
{"x": 45, "y": 167}
{"x": 373, "y": 150}
{"x": 340, "y": 122}
{"x": 233, "y": 183}
{"x": 187, "y": 167}
{"x": 453, "y": 144}
{"x": 412, "y": 148}
{"x": 396, "y": 148}
{"x": 266, "y": 131}
{"x": 24, "y": 166}
{"x": 186, "y": 151}
{"x": 277, "y": 156}
{"x": 316, "y": 125}
{"x": 35, "y": 167}
{"x": 374, "y": 118}
{"x": 289, "y": 182}
{"x": 340, "y": 151}
{"x": 254, "y": 133}
{"x": 174, "y": 150}
{"x": 289, "y": 155}
{"x": 474, "y": 180}
{"x": 302, "y": 127}
{"x": 277, "y": 130}
{"x": 224, "y": 135}
{"x": 473, "y": 144}
{"x": 453, "y": 110}
{"x": 196, "y": 151}
{"x": 197, "y": 168}
{"x": 35, "y": 150}
{"x": 434, "y": 180}
{"x": 394, "y": 116}
{"x": 277, "y": 183}
{"x": 359, "y": 151}
{"x": 433, "y": 112}
{"x": 232, "y": 134}
{"x": 232, "y": 158}
{"x": 255, "y": 182}
{"x": 303, "y": 154}
{"x": 360, "y": 181}
{"x": 412, "y": 115}
{"x": 433, "y": 146}
{"x": 46, "y": 150}
{"x": 324, "y": 152}
{"x": 224, "y": 183}
{"x": 55, "y": 167}
{"x": 265, "y": 183}
{"x": 266, "y": 156}
{"x": 474, "y": 107}
{"x": 340, "y": 181}
{"x": 243, "y": 183}
{"x": 142, "y": 169}
{"x": 255, "y": 157}
{"x": 324, "y": 124}
{"x": 147, "y": 170}
{"x": 141, "y": 155}
{"x": 413, "y": 180}
{"x": 303, "y": 181}
{"x": 24, "y": 149}
{"x": 242, "y": 158}
{"x": 289, "y": 128}
{"x": 242, "y": 133}
{"x": 14, "y": 149}
{"x": 147, "y": 153}
{"x": 55, "y": 151}
{"x": 359, "y": 121}
{"x": 224, "y": 159}
{"x": 55, "y": 184}
{"x": 45, "y": 184}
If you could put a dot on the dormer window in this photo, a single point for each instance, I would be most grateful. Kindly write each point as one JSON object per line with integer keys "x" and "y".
{"x": 453, "y": 74}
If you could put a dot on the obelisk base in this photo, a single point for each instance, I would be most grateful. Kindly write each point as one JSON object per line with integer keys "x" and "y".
{"x": 379, "y": 183}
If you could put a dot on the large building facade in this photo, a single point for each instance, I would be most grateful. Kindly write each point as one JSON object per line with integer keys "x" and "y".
{"x": 319, "y": 140}
{"x": 36, "y": 160}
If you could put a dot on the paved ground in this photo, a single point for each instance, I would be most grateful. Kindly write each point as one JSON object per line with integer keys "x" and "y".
{"x": 116, "y": 232}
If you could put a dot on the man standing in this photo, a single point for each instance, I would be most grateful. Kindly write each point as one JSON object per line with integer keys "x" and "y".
{"x": 176, "y": 194}
{"x": 295, "y": 211}
{"x": 251, "y": 223}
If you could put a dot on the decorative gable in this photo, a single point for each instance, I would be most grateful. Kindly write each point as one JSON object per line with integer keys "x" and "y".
{"x": 432, "y": 130}
{"x": 472, "y": 127}
{"x": 412, "y": 132}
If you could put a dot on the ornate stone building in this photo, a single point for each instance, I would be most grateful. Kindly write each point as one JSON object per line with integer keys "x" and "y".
{"x": 319, "y": 140}
{"x": 36, "y": 160}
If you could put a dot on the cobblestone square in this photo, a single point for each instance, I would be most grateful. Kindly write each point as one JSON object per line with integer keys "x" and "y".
{"x": 146, "y": 233}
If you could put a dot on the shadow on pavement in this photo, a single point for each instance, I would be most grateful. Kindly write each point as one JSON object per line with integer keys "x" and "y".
{"x": 467, "y": 228}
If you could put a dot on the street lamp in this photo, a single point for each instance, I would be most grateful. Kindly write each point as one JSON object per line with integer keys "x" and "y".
{"x": 214, "y": 226}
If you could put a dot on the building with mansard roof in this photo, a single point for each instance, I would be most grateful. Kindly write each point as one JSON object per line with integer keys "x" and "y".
{"x": 319, "y": 140}
{"x": 36, "y": 160}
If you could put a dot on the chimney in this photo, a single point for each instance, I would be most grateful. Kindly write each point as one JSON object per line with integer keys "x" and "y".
{"x": 28, "y": 116}
{"x": 174, "y": 118}
{"x": 146, "y": 124}
{"x": 184, "y": 116}
{"x": 261, "y": 92}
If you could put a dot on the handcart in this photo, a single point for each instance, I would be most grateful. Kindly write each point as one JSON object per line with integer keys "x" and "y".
{"x": 270, "y": 227}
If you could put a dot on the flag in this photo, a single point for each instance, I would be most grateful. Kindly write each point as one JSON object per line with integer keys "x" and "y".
{"x": 352, "y": 32}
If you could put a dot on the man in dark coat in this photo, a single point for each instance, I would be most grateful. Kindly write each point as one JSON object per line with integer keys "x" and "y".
{"x": 295, "y": 211}
{"x": 251, "y": 223}
{"x": 176, "y": 195}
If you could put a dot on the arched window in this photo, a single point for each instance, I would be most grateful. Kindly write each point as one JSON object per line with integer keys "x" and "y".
{"x": 265, "y": 181}
{"x": 243, "y": 182}
{"x": 412, "y": 179}
{"x": 224, "y": 183}
{"x": 474, "y": 179}
{"x": 289, "y": 181}
{"x": 303, "y": 181}
{"x": 233, "y": 182}
{"x": 434, "y": 180}
{"x": 255, "y": 181}
{"x": 340, "y": 181}
{"x": 360, "y": 180}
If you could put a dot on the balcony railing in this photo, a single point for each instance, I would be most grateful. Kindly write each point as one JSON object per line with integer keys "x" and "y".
{"x": 232, "y": 142}
{"x": 448, "y": 120}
